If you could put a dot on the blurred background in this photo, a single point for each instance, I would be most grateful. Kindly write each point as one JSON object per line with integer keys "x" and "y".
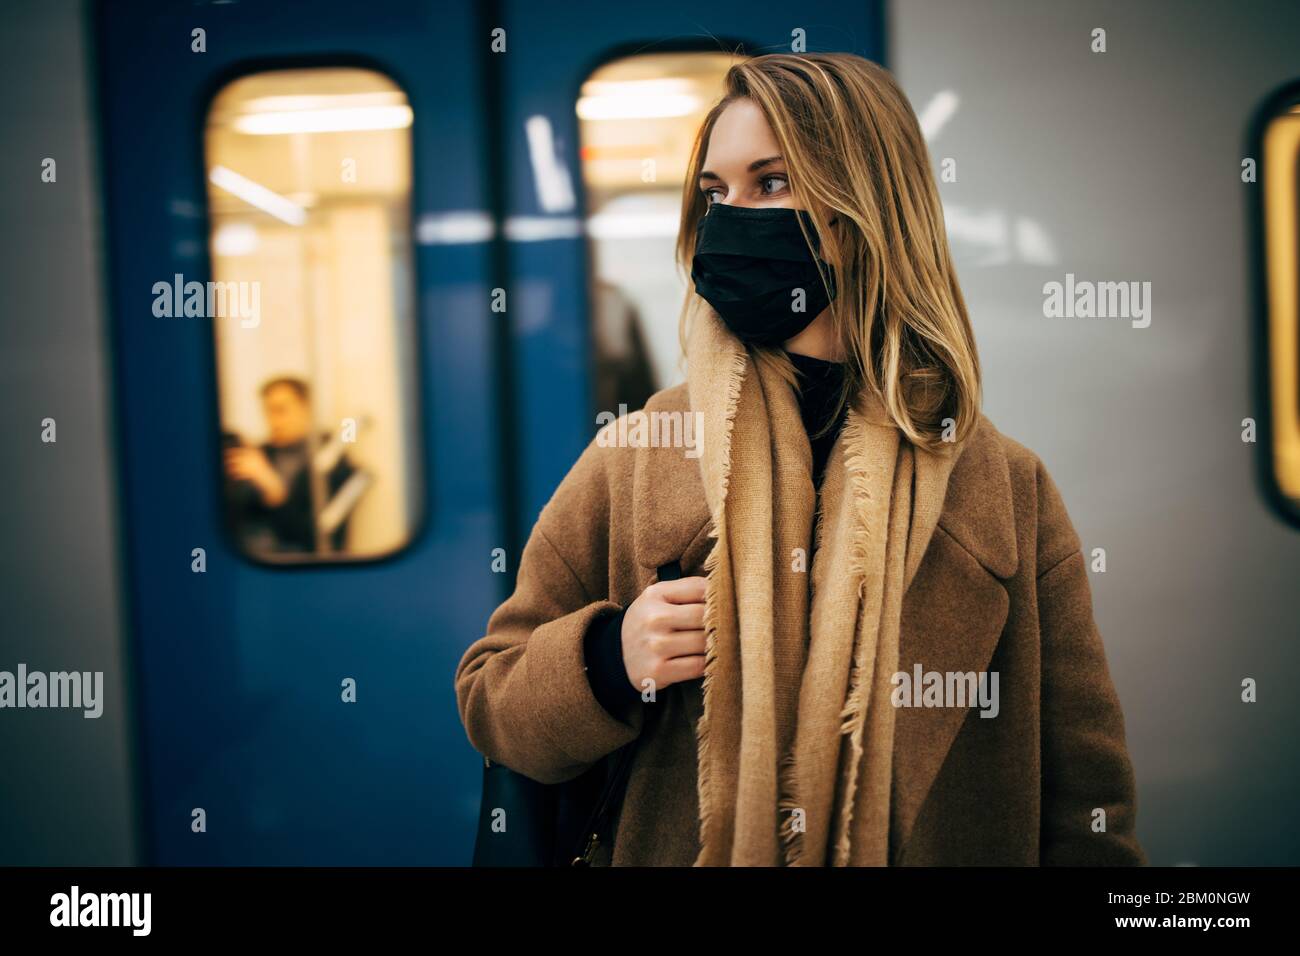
{"x": 321, "y": 301}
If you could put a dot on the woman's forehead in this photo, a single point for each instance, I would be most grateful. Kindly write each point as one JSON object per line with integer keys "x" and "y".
{"x": 740, "y": 136}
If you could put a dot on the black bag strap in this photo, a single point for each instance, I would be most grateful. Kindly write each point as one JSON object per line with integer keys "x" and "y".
{"x": 672, "y": 571}
{"x": 612, "y": 793}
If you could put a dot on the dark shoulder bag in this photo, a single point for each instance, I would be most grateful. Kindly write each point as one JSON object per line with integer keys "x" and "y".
{"x": 561, "y": 824}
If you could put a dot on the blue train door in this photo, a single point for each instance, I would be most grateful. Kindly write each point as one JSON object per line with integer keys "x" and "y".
{"x": 372, "y": 235}
{"x": 294, "y": 686}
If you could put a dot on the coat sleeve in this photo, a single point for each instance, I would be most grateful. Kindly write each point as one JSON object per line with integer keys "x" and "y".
{"x": 1085, "y": 762}
{"x": 522, "y": 689}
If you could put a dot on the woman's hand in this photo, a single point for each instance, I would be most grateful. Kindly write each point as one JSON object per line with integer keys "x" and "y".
{"x": 663, "y": 634}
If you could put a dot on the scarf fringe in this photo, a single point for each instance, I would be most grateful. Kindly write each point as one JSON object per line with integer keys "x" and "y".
{"x": 853, "y": 712}
{"x": 735, "y": 380}
{"x": 791, "y": 839}
{"x": 853, "y": 715}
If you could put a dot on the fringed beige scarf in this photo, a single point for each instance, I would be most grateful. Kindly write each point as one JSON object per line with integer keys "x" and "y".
{"x": 796, "y": 735}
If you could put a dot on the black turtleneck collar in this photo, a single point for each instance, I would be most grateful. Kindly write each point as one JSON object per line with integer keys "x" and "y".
{"x": 819, "y": 389}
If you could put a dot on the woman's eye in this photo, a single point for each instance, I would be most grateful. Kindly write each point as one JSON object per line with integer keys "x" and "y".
{"x": 710, "y": 196}
{"x": 772, "y": 185}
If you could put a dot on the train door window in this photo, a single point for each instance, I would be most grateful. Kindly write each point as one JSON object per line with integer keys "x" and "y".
{"x": 638, "y": 118}
{"x": 1280, "y": 169}
{"x": 309, "y": 180}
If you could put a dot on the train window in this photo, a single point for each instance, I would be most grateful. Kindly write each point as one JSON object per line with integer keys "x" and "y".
{"x": 638, "y": 118}
{"x": 1279, "y": 169}
{"x": 309, "y": 181}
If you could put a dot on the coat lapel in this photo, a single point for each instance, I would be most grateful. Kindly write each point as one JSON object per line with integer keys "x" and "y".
{"x": 953, "y": 614}
{"x": 672, "y": 516}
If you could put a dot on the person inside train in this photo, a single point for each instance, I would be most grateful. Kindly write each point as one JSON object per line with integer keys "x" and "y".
{"x": 269, "y": 493}
{"x": 881, "y": 649}
{"x": 622, "y": 372}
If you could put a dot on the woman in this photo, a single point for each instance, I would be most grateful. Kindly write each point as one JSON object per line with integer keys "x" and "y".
{"x": 882, "y": 651}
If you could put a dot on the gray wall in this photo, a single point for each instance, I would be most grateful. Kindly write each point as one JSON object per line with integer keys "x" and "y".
{"x": 66, "y": 794}
{"x": 1128, "y": 162}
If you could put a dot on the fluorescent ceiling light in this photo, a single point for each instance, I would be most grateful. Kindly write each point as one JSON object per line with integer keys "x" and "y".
{"x": 637, "y": 105}
{"x": 320, "y": 101}
{"x": 656, "y": 98}
{"x": 346, "y": 119}
{"x": 257, "y": 195}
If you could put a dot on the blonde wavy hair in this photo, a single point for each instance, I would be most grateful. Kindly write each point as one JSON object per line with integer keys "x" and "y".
{"x": 859, "y": 165}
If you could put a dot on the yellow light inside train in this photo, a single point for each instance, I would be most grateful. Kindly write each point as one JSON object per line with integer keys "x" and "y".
{"x": 656, "y": 98}
{"x": 322, "y": 388}
{"x": 344, "y": 120}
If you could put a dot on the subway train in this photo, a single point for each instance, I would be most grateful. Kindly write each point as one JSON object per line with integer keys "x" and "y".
{"x": 432, "y": 241}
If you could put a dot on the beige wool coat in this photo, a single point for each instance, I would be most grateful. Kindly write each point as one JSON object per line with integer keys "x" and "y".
{"x": 1002, "y": 587}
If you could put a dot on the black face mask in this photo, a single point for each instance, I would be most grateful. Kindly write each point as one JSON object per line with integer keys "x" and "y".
{"x": 749, "y": 262}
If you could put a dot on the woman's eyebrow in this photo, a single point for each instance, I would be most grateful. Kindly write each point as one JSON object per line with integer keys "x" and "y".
{"x": 754, "y": 167}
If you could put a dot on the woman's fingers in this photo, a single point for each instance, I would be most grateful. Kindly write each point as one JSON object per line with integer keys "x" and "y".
{"x": 677, "y": 617}
{"x": 679, "y": 644}
{"x": 683, "y": 668}
{"x": 683, "y": 590}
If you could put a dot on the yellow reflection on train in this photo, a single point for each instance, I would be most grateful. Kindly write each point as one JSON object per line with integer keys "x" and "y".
{"x": 309, "y": 178}
{"x": 1281, "y": 162}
